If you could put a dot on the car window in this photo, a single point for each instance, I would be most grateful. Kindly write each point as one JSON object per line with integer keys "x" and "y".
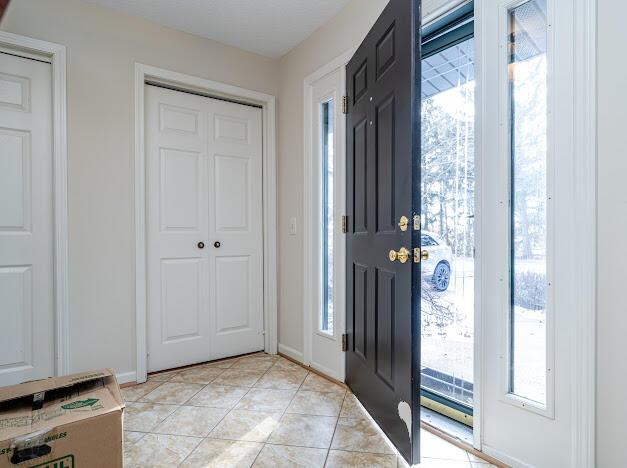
{"x": 427, "y": 240}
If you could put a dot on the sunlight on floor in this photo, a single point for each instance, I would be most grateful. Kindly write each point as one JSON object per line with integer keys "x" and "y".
{"x": 263, "y": 411}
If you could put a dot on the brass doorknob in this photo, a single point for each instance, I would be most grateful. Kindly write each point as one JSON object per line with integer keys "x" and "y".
{"x": 402, "y": 255}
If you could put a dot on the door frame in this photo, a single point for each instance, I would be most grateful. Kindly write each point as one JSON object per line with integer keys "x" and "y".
{"x": 189, "y": 83}
{"x": 310, "y": 179}
{"x": 54, "y": 54}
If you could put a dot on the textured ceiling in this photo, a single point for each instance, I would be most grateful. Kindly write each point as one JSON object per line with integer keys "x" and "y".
{"x": 267, "y": 27}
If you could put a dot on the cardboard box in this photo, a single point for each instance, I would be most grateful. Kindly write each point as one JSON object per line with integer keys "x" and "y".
{"x": 62, "y": 422}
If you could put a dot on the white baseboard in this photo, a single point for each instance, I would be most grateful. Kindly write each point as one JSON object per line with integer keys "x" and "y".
{"x": 126, "y": 377}
{"x": 291, "y": 352}
{"x": 503, "y": 457}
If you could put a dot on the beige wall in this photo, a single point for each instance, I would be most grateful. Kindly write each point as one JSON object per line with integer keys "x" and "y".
{"x": 612, "y": 226}
{"x": 102, "y": 47}
{"x": 343, "y": 32}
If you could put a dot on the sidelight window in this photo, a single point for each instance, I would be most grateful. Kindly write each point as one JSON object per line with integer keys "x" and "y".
{"x": 327, "y": 157}
{"x": 527, "y": 71}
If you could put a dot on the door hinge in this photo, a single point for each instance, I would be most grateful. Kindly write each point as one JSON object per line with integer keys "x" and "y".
{"x": 344, "y": 104}
{"x": 344, "y": 342}
{"x": 344, "y": 224}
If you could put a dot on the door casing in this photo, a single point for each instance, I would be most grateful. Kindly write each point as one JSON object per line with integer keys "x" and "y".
{"x": 55, "y": 54}
{"x": 175, "y": 80}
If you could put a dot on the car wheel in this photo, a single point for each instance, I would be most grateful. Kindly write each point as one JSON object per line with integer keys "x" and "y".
{"x": 441, "y": 276}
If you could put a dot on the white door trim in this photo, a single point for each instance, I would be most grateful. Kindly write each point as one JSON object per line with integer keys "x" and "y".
{"x": 310, "y": 297}
{"x": 267, "y": 102}
{"x": 584, "y": 161}
{"x": 55, "y": 55}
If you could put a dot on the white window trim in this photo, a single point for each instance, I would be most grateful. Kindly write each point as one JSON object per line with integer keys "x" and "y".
{"x": 144, "y": 73}
{"x": 584, "y": 162}
{"x": 311, "y": 273}
{"x": 55, "y": 54}
{"x": 505, "y": 211}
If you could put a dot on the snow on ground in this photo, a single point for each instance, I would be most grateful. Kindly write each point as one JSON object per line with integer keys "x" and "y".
{"x": 448, "y": 332}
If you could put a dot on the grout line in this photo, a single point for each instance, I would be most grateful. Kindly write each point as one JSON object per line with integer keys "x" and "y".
{"x": 337, "y": 420}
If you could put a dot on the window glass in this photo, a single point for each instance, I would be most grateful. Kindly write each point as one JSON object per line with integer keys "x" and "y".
{"x": 448, "y": 207}
{"x": 527, "y": 71}
{"x": 327, "y": 158}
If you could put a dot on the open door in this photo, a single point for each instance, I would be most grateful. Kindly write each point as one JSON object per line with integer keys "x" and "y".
{"x": 383, "y": 207}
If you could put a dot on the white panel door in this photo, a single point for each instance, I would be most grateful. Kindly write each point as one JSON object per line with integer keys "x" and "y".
{"x": 204, "y": 228}
{"x": 26, "y": 248}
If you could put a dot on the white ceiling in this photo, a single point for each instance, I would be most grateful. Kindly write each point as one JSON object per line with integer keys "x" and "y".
{"x": 267, "y": 27}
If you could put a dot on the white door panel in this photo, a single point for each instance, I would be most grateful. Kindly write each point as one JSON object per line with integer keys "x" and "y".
{"x": 26, "y": 249}
{"x": 204, "y": 185}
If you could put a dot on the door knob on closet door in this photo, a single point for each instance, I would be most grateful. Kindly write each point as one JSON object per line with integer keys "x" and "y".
{"x": 217, "y": 244}
{"x": 201, "y": 245}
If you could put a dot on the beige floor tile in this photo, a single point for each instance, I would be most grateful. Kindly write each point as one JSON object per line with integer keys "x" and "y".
{"x": 304, "y": 431}
{"x": 200, "y": 375}
{"x": 135, "y": 392}
{"x": 173, "y": 393}
{"x": 315, "y": 383}
{"x": 360, "y": 435}
{"x": 285, "y": 364}
{"x": 215, "y": 453}
{"x": 342, "y": 459}
{"x": 283, "y": 456}
{"x": 283, "y": 379}
{"x": 162, "y": 376}
{"x": 266, "y": 399}
{"x": 196, "y": 421}
{"x": 144, "y": 417}
{"x": 238, "y": 377}
{"x": 222, "y": 364}
{"x": 250, "y": 426}
{"x": 351, "y": 408}
{"x": 131, "y": 438}
{"x": 158, "y": 450}
{"x": 218, "y": 396}
{"x": 316, "y": 403}
{"x": 255, "y": 362}
{"x": 432, "y": 446}
{"x": 434, "y": 463}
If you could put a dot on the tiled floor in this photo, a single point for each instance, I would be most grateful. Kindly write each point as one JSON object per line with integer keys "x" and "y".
{"x": 261, "y": 411}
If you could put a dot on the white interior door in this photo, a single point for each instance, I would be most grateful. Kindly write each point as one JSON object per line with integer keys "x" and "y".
{"x": 204, "y": 228}
{"x": 526, "y": 250}
{"x": 325, "y": 263}
{"x": 26, "y": 248}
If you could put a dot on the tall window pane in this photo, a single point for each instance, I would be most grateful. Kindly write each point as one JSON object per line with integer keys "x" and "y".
{"x": 448, "y": 234}
{"x": 326, "y": 119}
{"x": 528, "y": 140}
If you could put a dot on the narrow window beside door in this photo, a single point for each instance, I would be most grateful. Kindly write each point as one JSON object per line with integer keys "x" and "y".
{"x": 326, "y": 148}
{"x": 527, "y": 70}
